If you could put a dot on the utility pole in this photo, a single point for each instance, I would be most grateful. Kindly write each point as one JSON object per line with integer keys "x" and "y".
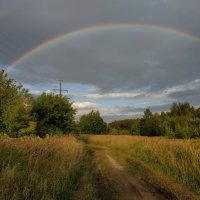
{"x": 60, "y": 90}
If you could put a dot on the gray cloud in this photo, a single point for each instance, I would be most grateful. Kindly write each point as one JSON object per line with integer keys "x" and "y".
{"x": 34, "y": 21}
{"x": 192, "y": 96}
{"x": 117, "y": 60}
{"x": 150, "y": 63}
{"x": 159, "y": 108}
{"x": 185, "y": 94}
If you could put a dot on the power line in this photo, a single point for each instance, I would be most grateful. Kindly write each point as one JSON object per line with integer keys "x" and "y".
{"x": 60, "y": 89}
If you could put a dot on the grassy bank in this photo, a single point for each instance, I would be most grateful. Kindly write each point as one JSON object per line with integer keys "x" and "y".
{"x": 34, "y": 168}
{"x": 179, "y": 159}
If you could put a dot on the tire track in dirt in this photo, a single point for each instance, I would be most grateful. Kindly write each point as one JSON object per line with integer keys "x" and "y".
{"x": 132, "y": 188}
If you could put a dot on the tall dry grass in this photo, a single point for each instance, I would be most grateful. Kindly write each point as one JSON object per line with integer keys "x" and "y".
{"x": 34, "y": 168}
{"x": 179, "y": 159}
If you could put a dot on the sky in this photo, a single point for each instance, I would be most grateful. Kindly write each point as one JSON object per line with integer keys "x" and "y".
{"x": 118, "y": 57}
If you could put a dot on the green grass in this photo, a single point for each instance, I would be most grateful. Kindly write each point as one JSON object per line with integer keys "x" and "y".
{"x": 179, "y": 159}
{"x": 105, "y": 179}
{"x": 50, "y": 168}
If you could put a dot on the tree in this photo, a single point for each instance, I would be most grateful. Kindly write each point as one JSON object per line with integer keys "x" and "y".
{"x": 181, "y": 109}
{"x": 54, "y": 114}
{"x": 151, "y": 124}
{"x": 125, "y": 127}
{"x": 15, "y": 108}
{"x": 92, "y": 123}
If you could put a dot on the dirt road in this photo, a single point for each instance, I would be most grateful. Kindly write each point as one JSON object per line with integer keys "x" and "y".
{"x": 131, "y": 187}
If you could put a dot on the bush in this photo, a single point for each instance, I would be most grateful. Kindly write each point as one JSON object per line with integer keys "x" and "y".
{"x": 54, "y": 114}
{"x": 92, "y": 123}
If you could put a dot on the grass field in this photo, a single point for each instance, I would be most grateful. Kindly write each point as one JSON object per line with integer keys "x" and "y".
{"x": 34, "y": 168}
{"x": 179, "y": 159}
{"x": 66, "y": 168}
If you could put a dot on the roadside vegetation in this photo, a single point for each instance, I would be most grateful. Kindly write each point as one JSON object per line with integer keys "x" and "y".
{"x": 50, "y": 168}
{"x": 178, "y": 159}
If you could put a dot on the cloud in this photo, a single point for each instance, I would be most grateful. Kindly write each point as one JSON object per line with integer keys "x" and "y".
{"x": 84, "y": 105}
{"x": 123, "y": 60}
{"x": 131, "y": 60}
{"x": 35, "y": 21}
{"x": 140, "y": 110}
{"x": 192, "y": 85}
{"x": 133, "y": 66}
{"x": 179, "y": 91}
{"x": 113, "y": 95}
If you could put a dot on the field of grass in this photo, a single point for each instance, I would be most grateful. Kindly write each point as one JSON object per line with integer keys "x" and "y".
{"x": 179, "y": 159}
{"x": 65, "y": 168}
{"x": 50, "y": 168}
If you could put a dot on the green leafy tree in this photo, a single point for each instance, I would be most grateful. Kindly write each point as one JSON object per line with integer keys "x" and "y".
{"x": 181, "y": 109}
{"x": 92, "y": 123}
{"x": 151, "y": 124}
{"x": 197, "y": 113}
{"x": 15, "y": 108}
{"x": 125, "y": 127}
{"x": 54, "y": 114}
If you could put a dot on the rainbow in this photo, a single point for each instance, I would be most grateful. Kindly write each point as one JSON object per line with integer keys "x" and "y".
{"x": 98, "y": 28}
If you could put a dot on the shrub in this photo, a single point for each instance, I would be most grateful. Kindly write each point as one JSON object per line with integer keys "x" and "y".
{"x": 54, "y": 114}
{"x": 92, "y": 123}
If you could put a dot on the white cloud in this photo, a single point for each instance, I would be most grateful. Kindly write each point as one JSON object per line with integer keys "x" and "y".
{"x": 84, "y": 105}
{"x": 113, "y": 95}
{"x": 179, "y": 88}
{"x": 134, "y": 95}
{"x": 118, "y": 111}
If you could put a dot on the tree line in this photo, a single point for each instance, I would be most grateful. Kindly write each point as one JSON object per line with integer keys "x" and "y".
{"x": 21, "y": 115}
{"x": 182, "y": 121}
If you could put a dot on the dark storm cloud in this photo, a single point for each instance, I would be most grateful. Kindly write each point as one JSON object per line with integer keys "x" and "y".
{"x": 192, "y": 96}
{"x": 115, "y": 61}
{"x": 34, "y": 21}
{"x": 118, "y": 60}
{"x": 186, "y": 93}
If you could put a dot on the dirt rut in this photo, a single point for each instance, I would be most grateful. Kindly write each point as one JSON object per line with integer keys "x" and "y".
{"x": 132, "y": 188}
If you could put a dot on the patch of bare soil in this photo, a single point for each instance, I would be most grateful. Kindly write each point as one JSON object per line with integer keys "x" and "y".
{"x": 132, "y": 188}
{"x": 102, "y": 185}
